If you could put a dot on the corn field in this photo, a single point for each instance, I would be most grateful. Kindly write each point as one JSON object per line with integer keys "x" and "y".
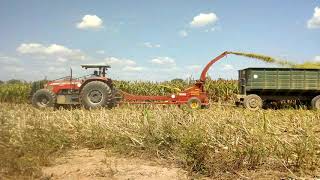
{"x": 217, "y": 89}
{"x": 15, "y": 93}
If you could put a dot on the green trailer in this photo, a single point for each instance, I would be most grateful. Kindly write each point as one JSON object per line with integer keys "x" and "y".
{"x": 262, "y": 85}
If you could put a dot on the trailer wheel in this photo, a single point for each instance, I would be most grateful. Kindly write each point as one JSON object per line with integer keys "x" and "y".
{"x": 252, "y": 102}
{"x": 43, "y": 98}
{"x": 194, "y": 103}
{"x": 315, "y": 103}
{"x": 96, "y": 94}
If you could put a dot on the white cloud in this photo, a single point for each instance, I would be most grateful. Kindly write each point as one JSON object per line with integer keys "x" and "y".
{"x": 210, "y": 30}
{"x": 227, "y": 67}
{"x": 61, "y": 59}
{"x": 59, "y": 70}
{"x": 163, "y": 61}
{"x": 113, "y": 61}
{"x": 13, "y": 69}
{"x": 317, "y": 58}
{"x": 90, "y": 22}
{"x": 203, "y": 19}
{"x": 150, "y": 45}
{"x": 314, "y": 22}
{"x": 10, "y": 64}
{"x": 126, "y": 65}
{"x": 59, "y": 52}
{"x": 100, "y": 52}
{"x": 133, "y": 68}
{"x": 183, "y": 33}
{"x": 7, "y": 60}
{"x": 194, "y": 67}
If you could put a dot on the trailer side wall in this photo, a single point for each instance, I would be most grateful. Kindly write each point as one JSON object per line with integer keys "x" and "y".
{"x": 282, "y": 79}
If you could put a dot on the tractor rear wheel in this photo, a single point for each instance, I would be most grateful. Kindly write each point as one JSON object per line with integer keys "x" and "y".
{"x": 315, "y": 103}
{"x": 96, "y": 94}
{"x": 194, "y": 103}
{"x": 252, "y": 102}
{"x": 43, "y": 98}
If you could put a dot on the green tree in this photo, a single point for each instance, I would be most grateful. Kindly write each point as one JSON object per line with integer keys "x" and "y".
{"x": 14, "y": 81}
{"x": 177, "y": 80}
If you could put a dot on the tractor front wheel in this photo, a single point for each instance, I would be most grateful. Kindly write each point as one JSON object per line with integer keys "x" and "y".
{"x": 43, "y": 98}
{"x": 252, "y": 102}
{"x": 96, "y": 94}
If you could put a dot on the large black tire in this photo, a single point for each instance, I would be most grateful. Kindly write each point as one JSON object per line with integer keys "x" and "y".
{"x": 44, "y": 98}
{"x": 315, "y": 103}
{"x": 96, "y": 94}
{"x": 252, "y": 102}
{"x": 194, "y": 103}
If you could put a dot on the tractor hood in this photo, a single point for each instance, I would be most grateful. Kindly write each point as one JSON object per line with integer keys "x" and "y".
{"x": 65, "y": 82}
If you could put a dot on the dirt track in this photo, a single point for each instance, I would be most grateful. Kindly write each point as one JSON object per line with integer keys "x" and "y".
{"x": 97, "y": 164}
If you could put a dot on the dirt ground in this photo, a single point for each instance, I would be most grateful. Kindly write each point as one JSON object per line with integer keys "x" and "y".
{"x": 98, "y": 164}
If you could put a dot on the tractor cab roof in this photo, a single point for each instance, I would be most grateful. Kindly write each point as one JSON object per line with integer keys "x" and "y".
{"x": 87, "y": 66}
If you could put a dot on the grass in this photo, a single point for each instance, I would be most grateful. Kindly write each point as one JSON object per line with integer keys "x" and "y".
{"x": 210, "y": 142}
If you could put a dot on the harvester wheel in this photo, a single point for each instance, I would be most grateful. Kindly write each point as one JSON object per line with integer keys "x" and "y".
{"x": 43, "y": 98}
{"x": 252, "y": 102}
{"x": 194, "y": 103}
{"x": 96, "y": 94}
{"x": 315, "y": 103}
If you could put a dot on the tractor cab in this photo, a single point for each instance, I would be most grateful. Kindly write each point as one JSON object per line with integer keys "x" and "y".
{"x": 102, "y": 69}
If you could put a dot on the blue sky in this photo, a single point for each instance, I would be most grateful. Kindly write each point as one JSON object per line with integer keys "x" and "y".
{"x": 152, "y": 40}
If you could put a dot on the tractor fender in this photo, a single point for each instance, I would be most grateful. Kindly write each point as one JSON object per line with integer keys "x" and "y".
{"x": 107, "y": 81}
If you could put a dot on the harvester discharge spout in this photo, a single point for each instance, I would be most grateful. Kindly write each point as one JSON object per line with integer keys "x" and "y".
{"x": 207, "y": 67}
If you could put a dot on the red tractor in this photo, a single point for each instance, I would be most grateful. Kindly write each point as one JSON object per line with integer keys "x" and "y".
{"x": 92, "y": 91}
